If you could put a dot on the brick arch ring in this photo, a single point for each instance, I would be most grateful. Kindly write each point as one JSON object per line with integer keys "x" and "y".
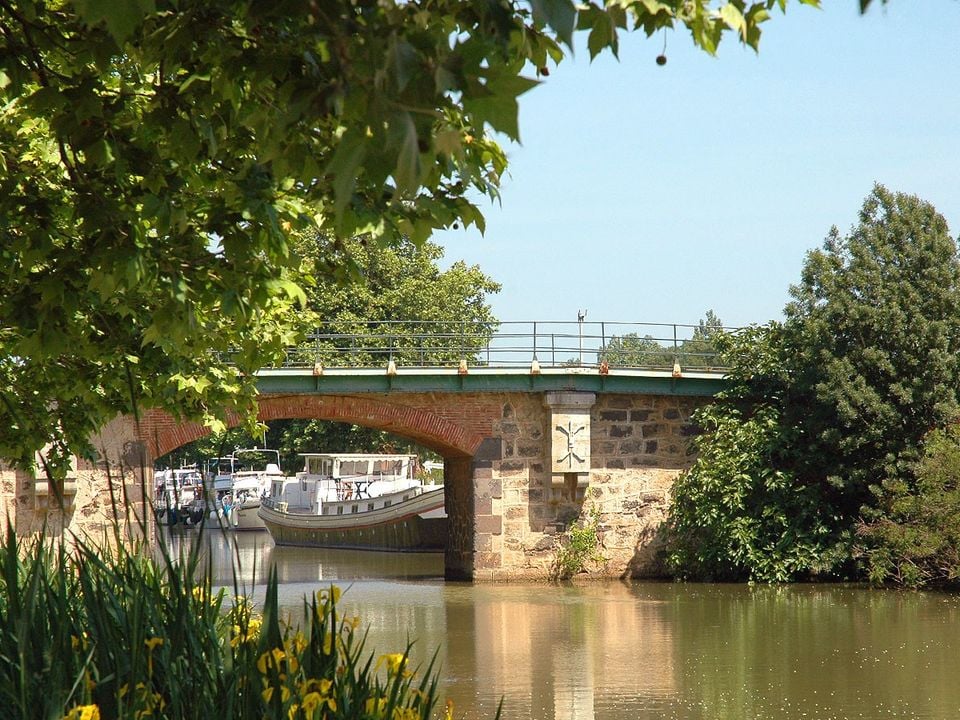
{"x": 161, "y": 433}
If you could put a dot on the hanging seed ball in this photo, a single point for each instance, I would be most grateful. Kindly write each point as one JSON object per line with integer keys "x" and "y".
{"x": 661, "y": 59}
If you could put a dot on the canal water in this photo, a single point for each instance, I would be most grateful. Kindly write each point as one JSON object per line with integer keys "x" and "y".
{"x": 617, "y": 650}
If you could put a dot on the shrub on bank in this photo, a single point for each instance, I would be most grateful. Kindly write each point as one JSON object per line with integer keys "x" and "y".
{"x": 913, "y": 538}
{"x": 91, "y": 636}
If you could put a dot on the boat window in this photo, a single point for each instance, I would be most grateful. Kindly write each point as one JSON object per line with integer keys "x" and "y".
{"x": 389, "y": 467}
{"x": 353, "y": 467}
{"x": 339, "y": 509}
{"x": 353, "y": 508}
{"x": 406, "y": 497}
{"x": 386, "y": 503}
{"x": 369, "y": 506}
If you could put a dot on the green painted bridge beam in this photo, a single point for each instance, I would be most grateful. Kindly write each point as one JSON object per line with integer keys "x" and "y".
{"x": 340, "y": 381}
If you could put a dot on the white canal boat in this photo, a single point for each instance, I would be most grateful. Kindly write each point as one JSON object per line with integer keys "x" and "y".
{"x": 356, "y": 500}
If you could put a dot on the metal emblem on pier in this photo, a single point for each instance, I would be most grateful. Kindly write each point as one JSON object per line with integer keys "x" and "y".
{"x": 570, "y": 431}
{"x": 570, "y": 437}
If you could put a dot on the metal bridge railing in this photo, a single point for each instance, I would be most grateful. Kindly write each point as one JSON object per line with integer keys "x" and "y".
{"x": 515, "y": 344}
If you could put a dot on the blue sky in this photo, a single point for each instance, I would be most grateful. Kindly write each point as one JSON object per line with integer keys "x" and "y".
{"x": 651, "y": 194}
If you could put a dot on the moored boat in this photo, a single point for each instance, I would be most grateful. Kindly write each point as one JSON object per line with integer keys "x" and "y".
{"x": 356, "y": 500}
{"x": 176, "y": 494}
{"x": 254, "y": 472}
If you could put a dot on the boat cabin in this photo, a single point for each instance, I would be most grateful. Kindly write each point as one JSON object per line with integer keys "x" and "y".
{"x": 336, "y": 477}
{"x": 219, "y": 473}
{"x": 346, "y": 466}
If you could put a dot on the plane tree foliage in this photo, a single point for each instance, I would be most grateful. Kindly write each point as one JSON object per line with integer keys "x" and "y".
{"x": 825, "y": 420}
{"x": 157, "y": 155}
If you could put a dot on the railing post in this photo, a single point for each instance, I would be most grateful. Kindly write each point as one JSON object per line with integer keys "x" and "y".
{"x": 676, "y": 349}
{"x": 603, "y": 342}
{"x": 581, "y": 316}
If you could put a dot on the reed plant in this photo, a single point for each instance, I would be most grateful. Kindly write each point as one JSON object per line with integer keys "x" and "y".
{"x": 88, "y": 634}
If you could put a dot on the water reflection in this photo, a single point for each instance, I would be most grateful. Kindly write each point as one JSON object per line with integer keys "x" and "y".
{"x": 247, "y": 557}
{"x": 613, "y": 650}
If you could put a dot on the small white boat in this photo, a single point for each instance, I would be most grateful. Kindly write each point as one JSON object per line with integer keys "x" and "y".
{"x": 177, "y": 493}
{"x": 253, "y": 473}
{"x": 218, "y": 474}
{"x": 356, "y": 500}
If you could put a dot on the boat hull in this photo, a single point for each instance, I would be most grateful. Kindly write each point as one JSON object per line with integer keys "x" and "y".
{"x": 399, "y": 527}
{"x": 246, "y": 517}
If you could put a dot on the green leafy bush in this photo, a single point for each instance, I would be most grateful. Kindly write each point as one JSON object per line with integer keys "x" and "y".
{"x": 740, "y": 512}
{"x": 579, "y": 545}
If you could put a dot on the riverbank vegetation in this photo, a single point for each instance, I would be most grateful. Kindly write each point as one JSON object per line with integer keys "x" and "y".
{"x": 827, "y": 456}
{"x": 578, "y": 546}
{"x": 89, "y": 635}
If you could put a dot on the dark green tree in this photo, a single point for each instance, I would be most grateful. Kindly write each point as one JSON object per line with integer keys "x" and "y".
{"x": 632, "y": 350}
{"x": 700, "y": 351}
{"x": 863, "y": 367}
{"x": 912, "y": 537}
{"x": 875, "y": 323}
{"x": 697, "y": 351}
{"x": 398, "y": 304}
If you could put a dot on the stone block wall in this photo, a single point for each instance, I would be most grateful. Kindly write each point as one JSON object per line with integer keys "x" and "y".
{"x": 639, "y": 445}
{"x": 92, "y": 498}
{"x": 8, "y": 494}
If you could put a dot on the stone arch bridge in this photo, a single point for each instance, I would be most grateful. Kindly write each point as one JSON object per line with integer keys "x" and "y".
{"x": 525, "y": 454}
{"x": 548, "y": 423}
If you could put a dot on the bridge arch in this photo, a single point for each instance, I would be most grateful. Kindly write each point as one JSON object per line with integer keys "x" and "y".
{"x": 418, "y": 422}
{"x": 457, "y": 428}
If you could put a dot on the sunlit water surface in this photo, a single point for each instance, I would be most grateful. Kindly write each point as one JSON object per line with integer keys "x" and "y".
{"x": 630, "y": 650}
